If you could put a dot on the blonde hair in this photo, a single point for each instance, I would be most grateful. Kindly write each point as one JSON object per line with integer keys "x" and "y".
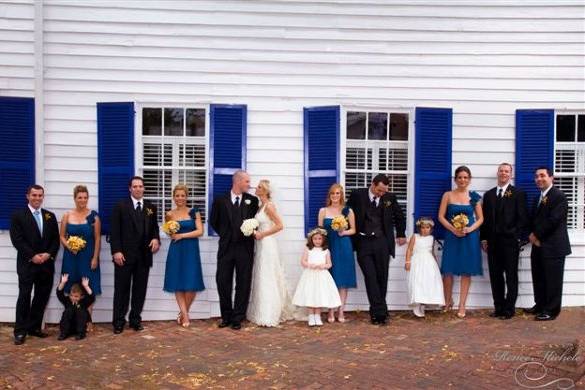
{"x": 265, "y": 185}
{"x": 425, "y": 221}
{"x": 79, "y": 188}
{"x": 181, "y": 187}
{"x": 335, "y": 186}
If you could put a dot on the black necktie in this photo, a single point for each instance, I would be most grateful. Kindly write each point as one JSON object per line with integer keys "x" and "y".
{"x": 374, "y": 204}
{"x": 138, "y": 207}
{"x": 237, "y": 202}
{"x": 499, "y": 193}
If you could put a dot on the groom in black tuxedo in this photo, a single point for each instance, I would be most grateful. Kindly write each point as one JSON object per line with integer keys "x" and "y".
{"x": 134, "y": 239}
{"x": 377, "y": 215}
{"x": 505, "y": 224}
{"x": 35, "y": 235}
{"x": 235, "y": 252}
{"x": 550, "y": 246}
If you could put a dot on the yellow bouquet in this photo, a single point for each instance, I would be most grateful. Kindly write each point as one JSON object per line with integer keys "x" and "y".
{"x": 339, "y": 223}
{"x": 171, "y": 227}
{"x": 460, "y": 221}
{"x": 75, "y": 243}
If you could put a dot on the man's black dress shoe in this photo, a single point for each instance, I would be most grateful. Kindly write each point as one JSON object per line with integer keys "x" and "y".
{"x": 62, "y": 337}
{"x": 544, "y": 317}
{"x": 118, "y": 329}
{"x": 19, "y": 339}
{"x": 236, "y": 326}
{"x": 532, "y": 310}
{"x": 223, "y": 324}
{"x": 80, "y": 336}
{"x": 38, "y": 333}
{"x": 375, "y": 321}
{"x": 506, "y": 316}
{"x": 137, "y": 326}
{"x": 496, "y": 313}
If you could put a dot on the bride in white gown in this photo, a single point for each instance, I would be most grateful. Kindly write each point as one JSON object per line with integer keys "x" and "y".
{"x": 270, "y": 302}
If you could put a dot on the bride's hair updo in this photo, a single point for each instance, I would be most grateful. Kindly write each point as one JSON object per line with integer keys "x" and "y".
{"x": 265, "y": 185}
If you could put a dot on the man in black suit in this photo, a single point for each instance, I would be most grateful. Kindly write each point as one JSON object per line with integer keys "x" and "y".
{"x": 504, "y": 225}
{"x": 134, "y": 239}
{"x": 377, "y": 214}
{"x": 35, "y": 235}
{"x": 235, "y": 252}
{"x": 550, "y": 246}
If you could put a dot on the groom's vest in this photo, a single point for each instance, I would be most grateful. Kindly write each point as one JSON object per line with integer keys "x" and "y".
{"x": 237, "y": 220}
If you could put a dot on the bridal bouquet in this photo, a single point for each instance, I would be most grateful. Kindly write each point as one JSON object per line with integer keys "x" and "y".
{"x": 75, "y": 243}
{"x": 248, "y": 226}
{"x": 460, "y": 221}
{"x": 170, "y": 227}
{"x": 339, "y": 223}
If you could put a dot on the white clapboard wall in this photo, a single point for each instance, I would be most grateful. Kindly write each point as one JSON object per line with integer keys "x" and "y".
{"x": 484, "y": 59}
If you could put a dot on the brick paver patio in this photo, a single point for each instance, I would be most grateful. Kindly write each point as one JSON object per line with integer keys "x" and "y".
{"x": 438, "y": 352}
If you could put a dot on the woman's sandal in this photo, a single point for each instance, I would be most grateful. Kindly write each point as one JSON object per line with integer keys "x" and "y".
{"x": 448, "y": 307}
{"x": 461, "y": 315}
{"x": 180, "y": 318}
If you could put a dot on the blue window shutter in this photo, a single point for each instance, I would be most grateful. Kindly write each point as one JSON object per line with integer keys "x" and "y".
{"x": 534, "y": 147}
{"x": 433, "y": 141}
{"x": 17, "y": 160}
{"x": 228, "y": 125}
{"x": 115, "y": 122}
{"x": 321, "y": 168}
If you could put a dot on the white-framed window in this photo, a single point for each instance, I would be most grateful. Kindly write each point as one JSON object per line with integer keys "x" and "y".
{"x": 569, "y": 169}
{"x": 378, "y": 141}
{"x": 173, "y": 148}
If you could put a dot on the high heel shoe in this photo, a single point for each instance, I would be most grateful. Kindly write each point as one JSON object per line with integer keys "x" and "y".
{"x": 460, "y": 314}
{"x": 448, "y": 307}
{"x": 186, "y": 324}
{"x": 180, "y": 319}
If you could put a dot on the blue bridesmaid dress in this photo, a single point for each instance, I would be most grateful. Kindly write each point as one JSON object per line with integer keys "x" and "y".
{"x": 343, "y": 269}
{"x": 183, "y": 270}
{"x": 79, "y": 265}
{"x": 462, "y": 255}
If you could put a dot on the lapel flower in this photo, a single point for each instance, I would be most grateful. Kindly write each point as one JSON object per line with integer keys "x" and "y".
{"x": 387, "y": 203}
{"x": 47, "y": 216}
{"x": 508, "y": 193}
{"x": 148, "y": 211}
{"x": 247, "y": 201}
{"x": 544, "y": 200}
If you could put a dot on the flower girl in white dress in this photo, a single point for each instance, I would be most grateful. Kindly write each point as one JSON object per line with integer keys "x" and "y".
{"x": 425, "y": 285}
{"x": 316, "y": 287}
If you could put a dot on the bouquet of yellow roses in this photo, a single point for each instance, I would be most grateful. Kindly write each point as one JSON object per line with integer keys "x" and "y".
{"x": 339, "y": 223}
{"x": 75, "y": 243}
{"x": 171, "y": 227}
{"x": 460, "y": 221}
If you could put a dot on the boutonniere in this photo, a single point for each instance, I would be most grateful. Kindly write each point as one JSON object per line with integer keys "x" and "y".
{"x": 247, "y": 201}
{"x": 508, "y": 193}
{"x": 149, "y": 211}
{"x": 48, "y": 216}
{"x": 387, "y": 203}
{"x": 544, "y": 200}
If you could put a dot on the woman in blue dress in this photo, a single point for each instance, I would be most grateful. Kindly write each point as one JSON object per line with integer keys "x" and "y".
{"x": 343, "y": 269}
{"x": 183, "y": 274}
{"x": 84, "y": 223}
{"x": 461, "y": 250}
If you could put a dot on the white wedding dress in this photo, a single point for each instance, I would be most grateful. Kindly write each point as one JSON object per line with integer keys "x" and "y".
{"x": 270, "y": 302}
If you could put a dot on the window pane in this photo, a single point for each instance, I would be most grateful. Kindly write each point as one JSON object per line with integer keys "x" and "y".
{"x": 356, "y": 125}
{"x": 195, "y": 123}
{"x": 399, "y": 127}
{"x": 151, "y": 121}
{"x": 565, "y": 128}
{"x": 152, "y": 155}
{"x": 581, "y": 129}
{"x": 565, "y": 161}
{"x": 398, "y": 185}
{"x": 192, "y": 155}
{"x": 173, "y": 121}
{"x": 377, "y": 125}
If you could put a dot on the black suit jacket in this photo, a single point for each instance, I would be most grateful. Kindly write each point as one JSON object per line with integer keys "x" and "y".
{"x": 26, "y": 238}
{"x": 514, "y": 216}
{"x": 124, "y": 234}
{"x": 221, "y": 220}
{"x": 549, "y": 224}
{"x": 393, "y": 216}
